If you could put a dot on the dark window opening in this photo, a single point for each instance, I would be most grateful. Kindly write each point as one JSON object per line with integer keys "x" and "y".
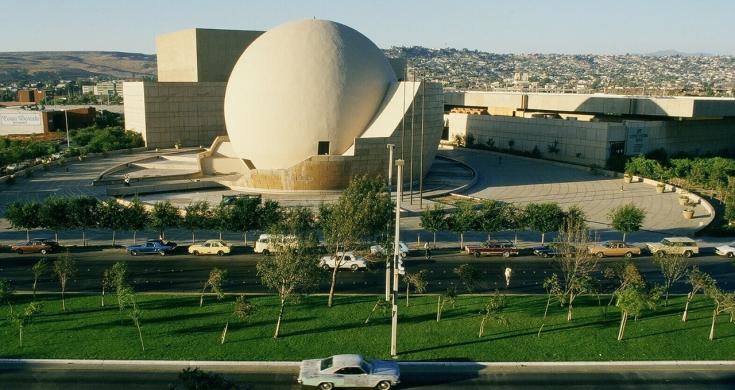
{"x": 323, "y": 148}
{"x": 617, "y": 148}
{"x": 445, "y": 133}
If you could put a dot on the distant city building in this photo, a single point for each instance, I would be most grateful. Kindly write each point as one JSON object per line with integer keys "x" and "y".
{"x": 108, "y": 88}
{"x": 30, "y": 95}
{"x": 589, "y": 129}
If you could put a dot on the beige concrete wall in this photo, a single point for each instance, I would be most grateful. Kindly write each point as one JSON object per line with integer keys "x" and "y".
{"x": 168, "y": 113}
{"x": 176, "y": 56}
{"x": 134, "y": 107}
{"x": 579, "y": 142}
{"x": 688, "y": 136}
{"x": 200, "y": 55}
{"x": 219, "y": 50}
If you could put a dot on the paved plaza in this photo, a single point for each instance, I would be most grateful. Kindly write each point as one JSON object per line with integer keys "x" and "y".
{"x": 501, "y": 177}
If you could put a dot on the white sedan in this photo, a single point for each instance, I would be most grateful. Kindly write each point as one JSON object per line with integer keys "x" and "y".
{"x": 726, "y": 250}
{"x": 348, "y": 371}
{"x": 379, "y": 250}
{"x": 210, "y": 247}
{"x": 346, "y": 260}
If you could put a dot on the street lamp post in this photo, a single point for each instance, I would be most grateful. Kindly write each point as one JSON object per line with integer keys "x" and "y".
{"x": 396, "y": 259}
{"x": 390, "y": 184}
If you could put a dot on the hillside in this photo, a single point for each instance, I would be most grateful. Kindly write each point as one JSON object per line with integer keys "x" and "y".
{"x": 50, "y": 65}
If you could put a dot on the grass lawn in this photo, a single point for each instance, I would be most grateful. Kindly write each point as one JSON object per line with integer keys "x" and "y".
{"x": 174, "y": 327}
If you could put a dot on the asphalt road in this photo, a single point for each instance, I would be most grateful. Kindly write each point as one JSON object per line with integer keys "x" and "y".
{"x": 185, "y": 273}
{"x": 44, "y": 376}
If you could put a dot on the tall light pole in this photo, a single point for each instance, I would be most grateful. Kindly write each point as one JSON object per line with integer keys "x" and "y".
{"x": 390, "y": 184}
{"x": 396, "y": 259}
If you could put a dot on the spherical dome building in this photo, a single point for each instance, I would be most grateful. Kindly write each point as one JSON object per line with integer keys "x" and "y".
{"x": 301, "y": 89}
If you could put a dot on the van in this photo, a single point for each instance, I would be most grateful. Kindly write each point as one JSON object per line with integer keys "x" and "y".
{"x": 682, "y": 246}
{"x": 267, "y": 243}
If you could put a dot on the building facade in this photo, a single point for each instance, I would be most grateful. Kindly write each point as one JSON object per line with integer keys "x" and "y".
{"x": 590, "y": 129}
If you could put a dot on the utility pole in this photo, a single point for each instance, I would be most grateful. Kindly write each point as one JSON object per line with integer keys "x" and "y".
{"x": 413, "y": 119}
{"x": 396, "y": 259}
{"x": 387, "y": 257}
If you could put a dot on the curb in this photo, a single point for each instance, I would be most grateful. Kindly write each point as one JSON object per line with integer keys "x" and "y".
{"x": 407, "y": 364}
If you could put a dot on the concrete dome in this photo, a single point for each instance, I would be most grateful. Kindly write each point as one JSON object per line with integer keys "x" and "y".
{"x": 299, "y": 84}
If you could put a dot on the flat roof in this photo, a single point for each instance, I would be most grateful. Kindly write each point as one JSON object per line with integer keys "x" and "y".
{"x": 598, "y": 103}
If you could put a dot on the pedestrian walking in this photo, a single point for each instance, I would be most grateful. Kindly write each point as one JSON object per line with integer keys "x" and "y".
{"x": 427, "y": 251}
{"x": 126, "y": 180}
{"x": 508, "y": 273}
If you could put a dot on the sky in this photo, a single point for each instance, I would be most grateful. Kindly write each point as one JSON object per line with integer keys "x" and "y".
{"x": 551, "y": 26}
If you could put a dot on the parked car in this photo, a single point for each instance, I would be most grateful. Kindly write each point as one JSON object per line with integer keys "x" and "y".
{"x": 493, "y": 248}
{"x": 683, "y": 246}
{"x": 379, "y": 250}
{"x": 350, "y": 261}
{"x": 348, "y": 371}
{"x": 36, "y": 245}
{"x": 614, "y": 248}
{"x": 268, "y": 243}
{"x": 554, "y": 249}
{"x": 726, "y": 250}
{"x": 210, "y": 247}
{"x": 152, "y": 246}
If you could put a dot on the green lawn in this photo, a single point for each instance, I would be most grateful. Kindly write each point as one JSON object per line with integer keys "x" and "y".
{"x": 174, "y": 327}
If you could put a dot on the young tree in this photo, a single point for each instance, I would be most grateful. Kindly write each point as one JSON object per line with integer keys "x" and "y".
{"x": 361, "y": 212}
{"x": 493, "y": 311}
{"x": 196, "y": 216}
{"x": 299, "y": 222}
{"x": 38, "y": 270}
{"x": 468, "y": 275}
{"x": 220, "y": 218}
{"x": 164, "y": 215}
{"x": 625, "y": 275}
{"x": 724, "y": 303}
{"x": 22, "y": 319}
{"x": 214, "y": 284}
{"x": 515, "y": 219}
{"x": 462, "y": 220}
{"x": 417, "y": 280}
{"x": 434, "y": 220}
{"x": 83, "y": 214}
{"x": 54, "y": 215}
{"x": 135, "y": 217}
{"x": 128, "y": 302}
{"x": 6, "y": 291}
{"x": 449, "y": 297}
{"x": 576, "y": 216}
{"x": 292, "y": 270}
{"x": 700, "y": 281}
{"x": 64, "y": 267}
{"x": 553, "y": 289}
{"x": 23, "y": 216}
{"x": 633, "y": 300}
{"x": 544, "y": 218}
{"x": 627, "y": 219}
{"x": 672, "y": 268}
{"x": 243, "y": 215}
{"x": 577, "y": 266}
{"x": 382, "y": 305}
{"x": 241, "y": 311}
{"x": 269, "y": 214}
{"x": 111, "y": 215}
{"x": 491, "y": 217}
{"x": 108, "y": 283}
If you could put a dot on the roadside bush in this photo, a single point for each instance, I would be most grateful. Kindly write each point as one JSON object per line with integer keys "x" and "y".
{"x": 13, "y": 151}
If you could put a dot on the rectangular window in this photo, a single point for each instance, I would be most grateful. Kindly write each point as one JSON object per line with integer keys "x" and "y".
{"x": 323, "y": 148}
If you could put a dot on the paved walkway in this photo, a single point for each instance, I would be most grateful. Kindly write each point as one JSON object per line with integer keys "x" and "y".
{"x": 521, "y": 181}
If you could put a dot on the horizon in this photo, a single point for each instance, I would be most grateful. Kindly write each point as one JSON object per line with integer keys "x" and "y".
{"x": 534, "y": 27}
